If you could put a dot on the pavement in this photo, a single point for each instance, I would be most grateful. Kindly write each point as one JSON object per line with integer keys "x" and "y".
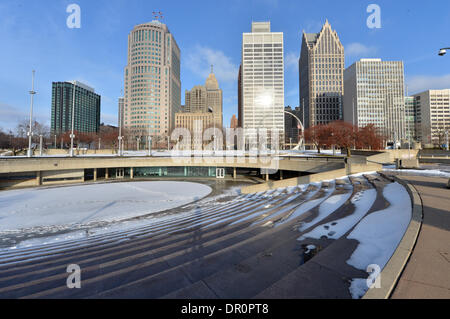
{"x": 427, "y": 274}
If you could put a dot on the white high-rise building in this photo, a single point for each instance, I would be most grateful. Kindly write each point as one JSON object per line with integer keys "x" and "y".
{"x": 152, "y": 80}
{"x": 262, "y": 80}
{"x": 433, "y": 116}
{"x": 375, "y": 94}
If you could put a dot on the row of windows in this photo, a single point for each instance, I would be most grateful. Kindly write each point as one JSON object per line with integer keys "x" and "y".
{"x": 146, "y": 35}
{"x": 266, "y": 45}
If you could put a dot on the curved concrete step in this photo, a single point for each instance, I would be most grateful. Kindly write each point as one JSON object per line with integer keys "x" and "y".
{"x": 36, "y": 282}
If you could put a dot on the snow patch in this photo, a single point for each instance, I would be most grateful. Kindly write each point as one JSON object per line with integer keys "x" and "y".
{"x": 380, "y": 233}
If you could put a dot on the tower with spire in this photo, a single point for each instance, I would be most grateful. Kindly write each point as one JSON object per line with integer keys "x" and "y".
{"x": 321, "y": 71}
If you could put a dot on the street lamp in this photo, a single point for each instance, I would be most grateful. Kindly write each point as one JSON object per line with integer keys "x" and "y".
{"x": 443, "y": 51}
{"x": 120, "y": 137}
{"x": 210, "y": 110}
{"x": 72, "y": 136}
{"x": 30, "y": 132}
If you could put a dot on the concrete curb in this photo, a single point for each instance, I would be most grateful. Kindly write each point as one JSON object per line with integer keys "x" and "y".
{"x": 394, "y": 268}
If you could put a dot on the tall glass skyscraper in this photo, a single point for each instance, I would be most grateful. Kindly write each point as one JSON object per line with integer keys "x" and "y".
{"x": 262, "y": 80}
{"x": 87, "y": 108}
{"x": 152, "y": 80}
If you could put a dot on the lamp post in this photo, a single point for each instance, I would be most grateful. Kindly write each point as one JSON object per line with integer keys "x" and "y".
{"x": 72, "y": 136}
{"x": 40, "y": 145}
{"x": 210, "y": 110}
{"x": 120, "y": 137}
{"x": 30, "y": 131}
{"x": 443, "y": 51}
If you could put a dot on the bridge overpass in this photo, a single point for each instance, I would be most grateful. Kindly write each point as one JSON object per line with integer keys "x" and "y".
{"x": 24, "y": 172}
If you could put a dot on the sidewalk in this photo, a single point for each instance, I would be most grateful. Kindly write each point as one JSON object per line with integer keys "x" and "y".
{"x": 427, "y": 274}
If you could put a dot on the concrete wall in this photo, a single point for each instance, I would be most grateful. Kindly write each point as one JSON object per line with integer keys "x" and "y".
{"x": 352, "y": 168}
{"x": 294, "y": 181}
{"x": 11, "y": 165}
{"x": 387, "y": 156}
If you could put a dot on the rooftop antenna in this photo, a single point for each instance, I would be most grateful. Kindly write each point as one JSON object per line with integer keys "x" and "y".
{"x": 212, "y": 68}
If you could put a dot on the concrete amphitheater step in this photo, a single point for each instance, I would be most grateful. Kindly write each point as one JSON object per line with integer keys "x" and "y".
{"x": 99, "y": 238}
{"x": 188, "y": 260}
{"x": 47, "y": 251}
{"x": 165, "y": 246}
{"x": 90, "y": 252}
{"x": 175, "y": 271}
{"x": 204, "y": 267}
{"x": 41, "y": 283}
{"x": 235, "y": 202}
{"x": 285, "y": 255}
{"x": 327, "y": 275}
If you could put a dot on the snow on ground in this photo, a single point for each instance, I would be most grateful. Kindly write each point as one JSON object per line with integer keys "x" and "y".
{"x": 358, "y": 288}
{"x": 85, "y": 204}
{"x": 329, "y": 206}
{"x": 362, "y": 201}
{"x": 380, "y": 232}
{"x": 430, "y": 173}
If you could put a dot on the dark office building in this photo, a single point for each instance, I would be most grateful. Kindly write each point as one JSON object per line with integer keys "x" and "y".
{"x": 87, "y": 108}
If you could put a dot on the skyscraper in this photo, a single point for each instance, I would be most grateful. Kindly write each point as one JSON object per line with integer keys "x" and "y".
{"x": 321, "y": 70}
{"x": 374, "y": 94}
{"x": 87, "y": 108}
{"x": 152, "y": 80}
{"x": 433, "y": 116}
{"x": 262, "y": 80}
{"x": 206, "y": 98}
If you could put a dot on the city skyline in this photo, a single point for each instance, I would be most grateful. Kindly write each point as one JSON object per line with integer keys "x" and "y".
{"x": 59, "y": 54}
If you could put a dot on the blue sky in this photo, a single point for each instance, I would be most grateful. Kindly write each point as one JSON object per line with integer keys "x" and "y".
{"x": 34, "y": 35}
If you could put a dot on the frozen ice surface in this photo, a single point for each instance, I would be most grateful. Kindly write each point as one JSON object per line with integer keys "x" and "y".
{"x": 85, "y": 204}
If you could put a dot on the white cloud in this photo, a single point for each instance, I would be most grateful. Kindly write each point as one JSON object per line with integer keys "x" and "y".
{"x": 10, "y": 116}
{"x": 358, "y": 50}
{"x": 291, "y": 61}
{"x": 420, "y": 83}
{"x": 200, "y": 59}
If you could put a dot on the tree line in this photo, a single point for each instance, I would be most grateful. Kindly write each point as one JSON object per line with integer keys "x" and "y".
{"x": 344, "y": 135}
